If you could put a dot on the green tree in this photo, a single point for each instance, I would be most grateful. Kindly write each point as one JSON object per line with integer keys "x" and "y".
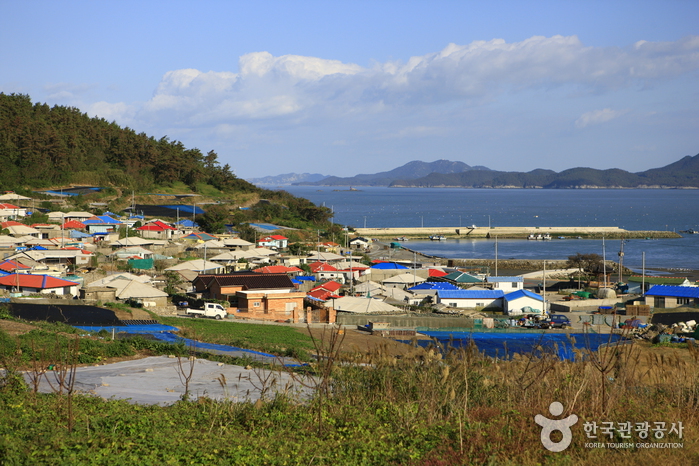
{"x": 214, "y": 220}
{"x": 172, "y": 279}
{"x": 298, "y": 249}
{"x": 585, "y": 263}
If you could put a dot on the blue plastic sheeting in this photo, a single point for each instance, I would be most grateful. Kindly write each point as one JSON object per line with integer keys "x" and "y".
{"x": 164, "y": 333}
{"x": 172, "y": 338}
{"x": 149, "y": 328}
{"x": 265, "y": 226}
{"x": 185, "y": 209}
{"x": 225, "y": 349}
{"x": 388, "y": 266}
{"x": 503, "y": 345}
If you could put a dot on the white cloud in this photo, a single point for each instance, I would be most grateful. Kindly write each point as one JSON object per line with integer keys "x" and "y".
{"x": 596, "y": 117}
{"x": 414, "y": 131}
{"x": 121, "y": 112}
{"x": 268, "y": 87}
{"x": 66, "y": 91}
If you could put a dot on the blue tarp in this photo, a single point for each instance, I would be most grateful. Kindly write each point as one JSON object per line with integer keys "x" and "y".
{"x": 503, "y": 345}
{"x": 388, "y": 266}
{"x": 185, "y": 209}
{"x": 434, "y": 286}
{"x": 265, "y": 226}
{"x": 164, "y": 333}
{"x": 186, "y": 223}
{"x": 149, "y": 328}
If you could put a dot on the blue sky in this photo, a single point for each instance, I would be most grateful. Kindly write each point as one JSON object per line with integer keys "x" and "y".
{"x": 342, "y": 88}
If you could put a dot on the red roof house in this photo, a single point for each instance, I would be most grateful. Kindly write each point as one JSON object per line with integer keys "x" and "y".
{"x": 321, "y": 267}
{"x": 10, "y": 266}
{"x": 274, "y": 241}
{"x": 43, "y": 284}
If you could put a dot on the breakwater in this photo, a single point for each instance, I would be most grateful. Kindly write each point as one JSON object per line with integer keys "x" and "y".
{"x": 513, "y": 232}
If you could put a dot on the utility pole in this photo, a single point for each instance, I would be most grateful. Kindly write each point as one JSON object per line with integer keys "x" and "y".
{"x": 604, "y": 262}
{"x": 543, "y": 311}
{"x": 621, "y": 261}
{"x": 643, "y": 273}
{"x": 496, "y": 256}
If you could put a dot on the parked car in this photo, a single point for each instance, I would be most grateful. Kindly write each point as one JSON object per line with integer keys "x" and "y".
{"x": 559, "y": 321}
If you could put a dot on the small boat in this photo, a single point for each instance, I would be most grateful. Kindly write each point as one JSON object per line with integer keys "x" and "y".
{"x": 438, "y": 238}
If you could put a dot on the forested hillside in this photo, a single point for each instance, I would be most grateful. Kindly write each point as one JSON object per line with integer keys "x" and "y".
{"x": 42, "y": 146}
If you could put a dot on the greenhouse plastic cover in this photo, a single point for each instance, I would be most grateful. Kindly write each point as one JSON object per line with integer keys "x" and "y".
{"x": 158, "y": 380}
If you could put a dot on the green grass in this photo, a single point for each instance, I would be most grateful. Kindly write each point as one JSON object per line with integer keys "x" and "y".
{"x": 425, "y": 410}
{"x": 275, "y": 339}
{"x": 429, "y": 411}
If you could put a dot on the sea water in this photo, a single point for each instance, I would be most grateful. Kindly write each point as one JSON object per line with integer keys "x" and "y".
{"x": 631, "y": 209}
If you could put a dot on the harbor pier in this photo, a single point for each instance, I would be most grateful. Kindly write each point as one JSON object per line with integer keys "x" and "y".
{"x": 513, "y": 232}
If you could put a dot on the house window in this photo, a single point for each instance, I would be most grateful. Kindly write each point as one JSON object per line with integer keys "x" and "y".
{"x": 683, "y": 301}
{"x": 659, "y": 301}
{"x": 514, "y": 284}
{"x": 480, "y": 304}
{"x": 256, "y": 304}
{"x": 453, "y": 304}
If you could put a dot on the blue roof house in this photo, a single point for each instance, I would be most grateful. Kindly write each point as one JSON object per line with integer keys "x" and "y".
{"x": 472, "y": 299}
{"x": 101, "y": 224}
{"x": 523, "y": 302}
{"x": 665, "y": 296}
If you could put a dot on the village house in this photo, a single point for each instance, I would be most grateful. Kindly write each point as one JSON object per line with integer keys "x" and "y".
{"x": 28, "y": 284}
{"x": 324, "y": 271}
{"x": 506, "y": 284}
{"x": 471, "y": 299}
{"x": 359, "y": 243}
{"x": 523, "y": 302}
{"x": 62, "y": 217}
{"x": 65, "y": 257}
{"x": 19, "y": 230}
{"x": 255, "y": 295}
{"x": 101, "y": 224}
{"x": 238, "y": 244}
{"x": 667, "y": 297}
{"x": 156, "y": 229}
{"x": 274, "y": 241}
{"x": 11, "y": 211}
{"x": 128, "y": 290}
{"x": 636, "y": 281}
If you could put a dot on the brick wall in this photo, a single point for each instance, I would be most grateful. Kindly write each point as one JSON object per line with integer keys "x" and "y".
{"x": 273, "y": 306}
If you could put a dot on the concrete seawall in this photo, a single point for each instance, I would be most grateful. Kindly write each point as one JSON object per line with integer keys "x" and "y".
{"x": 513, "y": 232}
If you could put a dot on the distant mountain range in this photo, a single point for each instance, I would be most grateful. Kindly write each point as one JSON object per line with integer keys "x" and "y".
{"x": 681, "y": 174}
{"x": 410, "y": 171}
{"x": 443, "y": 173}
{"x": 287, "y": 179}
